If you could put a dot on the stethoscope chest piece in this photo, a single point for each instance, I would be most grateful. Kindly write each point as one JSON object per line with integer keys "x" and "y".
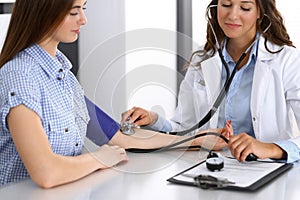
{"x": 127, "y": 128}
{"x": 215, "y": 163}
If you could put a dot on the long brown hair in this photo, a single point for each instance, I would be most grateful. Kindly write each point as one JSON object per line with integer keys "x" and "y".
{"x": 269, "y": 16}
{"x": 31, "y": 22}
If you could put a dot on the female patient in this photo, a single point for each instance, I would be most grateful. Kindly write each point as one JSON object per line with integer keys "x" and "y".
{"x": 42, "y": 107}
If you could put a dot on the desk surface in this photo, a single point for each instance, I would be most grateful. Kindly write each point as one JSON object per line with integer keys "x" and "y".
{"x": 144, "y": 177}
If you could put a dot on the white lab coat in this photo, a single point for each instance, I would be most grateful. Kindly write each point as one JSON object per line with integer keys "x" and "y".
{"x": 275, "y": 98}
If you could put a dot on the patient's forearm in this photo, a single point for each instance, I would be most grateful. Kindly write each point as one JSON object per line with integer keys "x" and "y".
{"x": 145, "y": 139}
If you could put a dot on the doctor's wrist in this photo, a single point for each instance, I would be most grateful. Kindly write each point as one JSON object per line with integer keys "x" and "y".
{"x": 153, "y": 117}
{"x": 278, "y": 152}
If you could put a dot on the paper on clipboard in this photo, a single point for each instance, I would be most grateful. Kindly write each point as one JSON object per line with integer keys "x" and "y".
{"x": 242, "y": 174}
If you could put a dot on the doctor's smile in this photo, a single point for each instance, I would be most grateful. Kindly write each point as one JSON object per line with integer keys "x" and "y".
{"x": 233, "y": 26}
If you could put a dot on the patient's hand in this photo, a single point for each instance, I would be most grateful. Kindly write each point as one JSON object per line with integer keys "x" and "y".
{"x": 110, "y": 155}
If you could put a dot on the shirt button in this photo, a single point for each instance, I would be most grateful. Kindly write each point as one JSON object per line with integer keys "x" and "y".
{"x": 60, "y": 70}
{"x": 12, "y": 94}
{"x": 76, "y": 144}
{"x": 58, "y": 78}
{"x": 66, "y": 130}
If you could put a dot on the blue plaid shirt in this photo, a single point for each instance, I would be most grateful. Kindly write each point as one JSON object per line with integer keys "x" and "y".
{"x": 47, "y": 86}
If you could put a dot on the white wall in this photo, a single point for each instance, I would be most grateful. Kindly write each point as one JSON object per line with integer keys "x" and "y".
{"x": 4, "y": 21}
{"x": 151, "y": 55}
{"x": 199, "y": 22}
{"x": 7, "y": 1}
{"x": 128, "y": 55}
{"x": 290, "y": 11}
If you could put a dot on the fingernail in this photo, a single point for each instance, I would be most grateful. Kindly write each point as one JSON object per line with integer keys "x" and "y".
{"x": 136, "y": 126}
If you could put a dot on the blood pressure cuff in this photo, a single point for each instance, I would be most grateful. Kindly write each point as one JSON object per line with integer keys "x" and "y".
{"x": 101, "y": 127}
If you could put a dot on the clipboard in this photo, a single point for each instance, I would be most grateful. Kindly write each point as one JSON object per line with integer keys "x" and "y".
{"x": 236, "y": 173}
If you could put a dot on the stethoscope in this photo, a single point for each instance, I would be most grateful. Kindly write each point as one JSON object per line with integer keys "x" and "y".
{"x": 128, "y": 128}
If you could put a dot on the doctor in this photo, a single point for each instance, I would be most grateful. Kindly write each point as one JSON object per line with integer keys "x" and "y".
{"x": 263, "y": 101}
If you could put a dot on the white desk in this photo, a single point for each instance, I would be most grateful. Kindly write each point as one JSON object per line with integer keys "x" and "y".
{"x": 144, "y": 177}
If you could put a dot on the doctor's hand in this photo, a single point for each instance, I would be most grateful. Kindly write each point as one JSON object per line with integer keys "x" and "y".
{"x": 227, "y": 132}
{"x": 214, "y": 142}
{"x": 109, "y": 156}
{"x": 139, "y": 116}
{"x": 242, "y": 145}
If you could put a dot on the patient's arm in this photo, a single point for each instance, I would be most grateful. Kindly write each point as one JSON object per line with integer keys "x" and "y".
{"x": 146, "y": 139}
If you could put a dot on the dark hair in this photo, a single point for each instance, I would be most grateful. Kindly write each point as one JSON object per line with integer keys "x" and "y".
{"x": 269, "y": 15}
{"x": 31, "y": 22}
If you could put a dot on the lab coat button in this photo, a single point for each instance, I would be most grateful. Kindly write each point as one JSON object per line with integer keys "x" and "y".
{"x": 254, "y": 119}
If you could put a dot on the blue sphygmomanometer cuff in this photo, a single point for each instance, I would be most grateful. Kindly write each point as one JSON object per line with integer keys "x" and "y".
{"x": 101, "y": 127}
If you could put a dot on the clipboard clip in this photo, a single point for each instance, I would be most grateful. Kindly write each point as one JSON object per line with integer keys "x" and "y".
{"x": 211, "y": 182}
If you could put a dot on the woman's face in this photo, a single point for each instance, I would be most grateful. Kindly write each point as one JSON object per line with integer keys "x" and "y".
{"x": 70, "y": 28}
{"x": 237, "y": 18}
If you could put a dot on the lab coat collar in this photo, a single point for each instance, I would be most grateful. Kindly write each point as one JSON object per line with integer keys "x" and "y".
{"x": 263, "y": 54}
